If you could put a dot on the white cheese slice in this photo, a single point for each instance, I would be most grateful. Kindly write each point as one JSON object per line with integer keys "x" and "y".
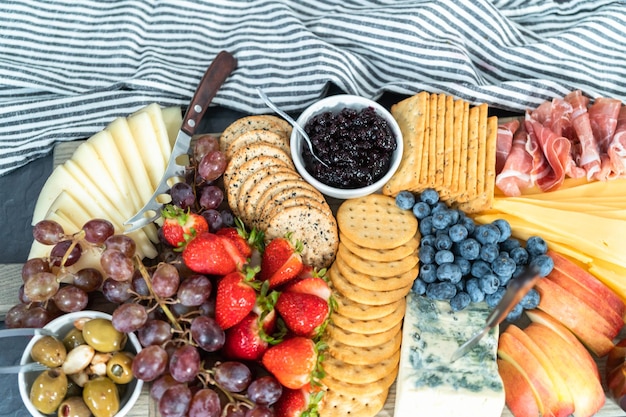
{"x": 159, "y": 128}
{"x": 173, "y": 118}
{"x": 147, "y": 142}
{"x": 428, "y": 384}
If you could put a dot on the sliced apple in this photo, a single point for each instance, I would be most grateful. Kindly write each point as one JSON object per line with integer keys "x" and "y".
{"x": 589, "y": 326}
{"x": 519, "y": 394}
{"x": 577, "y": 279}
{"x": 573, "y": 363}
{"x": 565, "y": 405}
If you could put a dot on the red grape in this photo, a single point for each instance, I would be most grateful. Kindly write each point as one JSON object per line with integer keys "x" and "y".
{"x": 88, "y": 279}
{"x": 122, "y": 243}
{"x": 70, "y": 298}
{"x": 116, "y": 291}
{"x": 185, "y": 363}
{"x": 33, "y": 266}
{"x": 97, "y": 231}
{"x": 203, "y": 145}
{"x": 116, "y": 265}
{"x": 165, "y": 280}
{"x": 182, "y": 195}
{"x": 129, "y": 317}
{"x": 265, "y": 390}
{"x": 175, "y": 401}
{"x": 60, "y": 249}
{"x": 212, "y": 165}
{"x": 207, "y": 333}
{"x": 150, "y": 363}
{"x": 211, "y": 197}
{"x": 234, "y": 376}
{"x": 41, "y": 287}
{"x": 48, "y": 232}
{"x": 194, "y": 290}
{"x": 154, "y": 332}
{"x": 205, "y": 403}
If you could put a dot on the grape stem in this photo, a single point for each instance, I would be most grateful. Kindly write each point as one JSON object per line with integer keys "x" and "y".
{"x": 206, "y": 378}
{"x": 75, "y": 239}
{"x": 162, "y": 304}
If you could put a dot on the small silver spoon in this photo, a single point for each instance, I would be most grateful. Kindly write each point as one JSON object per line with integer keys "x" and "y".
{"x": 291, "y": 121}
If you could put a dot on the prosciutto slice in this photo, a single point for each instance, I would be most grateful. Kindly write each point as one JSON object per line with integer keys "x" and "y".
{"x": 504, "y": 142}
{"x": 617, "y": 146}
{"x": 589, "y": 157}
{"x": 515, "y": 175}
{"x": 551, "y": 155}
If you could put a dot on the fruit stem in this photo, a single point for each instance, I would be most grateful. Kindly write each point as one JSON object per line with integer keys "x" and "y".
{"x": 75, "y": 238}
{"x": 162, "y": 304}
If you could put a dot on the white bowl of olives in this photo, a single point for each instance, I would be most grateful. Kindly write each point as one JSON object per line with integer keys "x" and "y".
{"x": 89, "y": 368}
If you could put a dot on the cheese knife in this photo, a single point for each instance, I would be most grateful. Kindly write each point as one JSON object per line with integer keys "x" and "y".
{"x": 516, "y": 290}
{"x": 219, "y": 70}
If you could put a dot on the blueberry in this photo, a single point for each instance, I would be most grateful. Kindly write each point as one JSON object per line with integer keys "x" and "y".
{"x": 457, "y": 232}
{"x": 487, "y": 233}
{"x": 429, "y": 196}
{"x": 474, "y": 291}
{"x": 443, "y": 241}
{"x": 444, "y": 256}
{"x": 489, "y": 283}
{"x": 460, "y": 286}
{"x": 504, "y": 279}
{"x": 440, "y": 206}
{"x": 419, "y": 287}
{"x": 421, "y": 210}
{"x": 428, "y": 273}
{"x": 518, "y": 270}
{"x": 455, "y": 215}
{"x": 469, "y": 249}
{"x": 405, "y": 200}
{"x": 468, "y": 222}
{"x": 426, "y": 226}
{"x": 480, "y": 268}
{"x": 509, "y": 244}
{"x": 464, "y": 265}
{"x": 428, "y": 240}
{"x": 516, "y": 313}
{"x": 536, "y": 246}
{"x": 503, "y": 265}
{"x": 426, "y": 254}
{"x": 460, "y": 301}
{"x": 442, "y": 219}
{"x": 544, "y": 263}
{"x": 530, "y": 300}
{"x": 449, "y": 272}
{"x": 492, "y": 300}
{"x": 489, "y": 252}
{"x": 505, "y": 229}
{"x": 441, "y": 291}
{"x": 519, "y": 255}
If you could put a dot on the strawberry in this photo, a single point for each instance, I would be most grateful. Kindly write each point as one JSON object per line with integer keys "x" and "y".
{"x": 179, "y": 226}
{"x": 249, "y": 339}
{"x": 309, "y": 282}
{"x": 281, "y": 261}
{"x": 303, "y": 314}
{"x": 295, "y": 362}
{"x": 235, "y": 298}
{"x": 245, "y": 242}
{"x": 206, "y": 254}
{"x": 301, "y": 402}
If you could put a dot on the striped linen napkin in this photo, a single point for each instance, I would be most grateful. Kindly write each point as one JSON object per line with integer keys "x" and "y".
{"x": 68, "y": 68}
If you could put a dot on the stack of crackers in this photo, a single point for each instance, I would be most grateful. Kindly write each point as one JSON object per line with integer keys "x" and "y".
{"x": 449, "y": 146}
{"x": 374, "y": 270}
{"x": 264, "y": 189}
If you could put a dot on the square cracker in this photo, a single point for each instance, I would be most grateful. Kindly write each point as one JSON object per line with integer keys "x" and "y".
{"x": 411, "y": 114}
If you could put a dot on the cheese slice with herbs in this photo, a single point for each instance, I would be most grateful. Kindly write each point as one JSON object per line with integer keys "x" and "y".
{"x": 428, "y": 384}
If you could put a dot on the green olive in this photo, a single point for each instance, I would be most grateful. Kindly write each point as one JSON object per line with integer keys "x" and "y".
{"x": 73, "y": 338}
{"x": 49, "y": 351}
{"x": 102, "y": 336}
{"x": 101, "y": 396}
{"x": 48, "y": 390}
{"x": 119, "y": 367}
{"x": 73, "y": 407}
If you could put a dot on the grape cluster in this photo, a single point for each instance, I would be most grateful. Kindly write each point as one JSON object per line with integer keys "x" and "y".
{"x": 465, "y": 262}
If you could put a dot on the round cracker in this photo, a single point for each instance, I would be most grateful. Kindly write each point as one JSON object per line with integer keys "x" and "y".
{"x": 266, "y": 199}
{"x": 375, "y": 222}
{"x": 250, "y": 152}
{"x": 253, "y": 196}
{"x": 258, "y": 136}
{"x": 337, "y": 403}
{"x": 381, "y": 255}
{"x": 381, "y": 269}
{"x": 254, "y": 122}
{"x": 374, "y": 282}
{"x": 288, "y": 198}
{"x": 375, "y": 387}
{"x": 262, "y": 170}
{"x": 359, "y": 311}
{"x": 357, "y": 355}
{"x": 359, "y": 339}
{"x": 360, "y": 374}
{"x": 315, "y": 228}
{"x": 369, "y": 326}
{"x": 361, "y": 295}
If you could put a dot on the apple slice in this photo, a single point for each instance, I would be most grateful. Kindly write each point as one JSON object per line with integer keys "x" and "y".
{"x": 590, "y": 327}
{"x": 565, "y": 401}
{"x": 513, "y": 351}
{"x": 573, "y": 362}
{"x": 580, "y": 279}
{"x": 520, "y": 396}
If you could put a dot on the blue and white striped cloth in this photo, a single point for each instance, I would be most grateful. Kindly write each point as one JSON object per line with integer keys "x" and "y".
{"x": 67, "y": 68}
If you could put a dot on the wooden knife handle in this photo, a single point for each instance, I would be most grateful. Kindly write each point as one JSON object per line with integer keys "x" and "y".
{"x": 219, "y": 70}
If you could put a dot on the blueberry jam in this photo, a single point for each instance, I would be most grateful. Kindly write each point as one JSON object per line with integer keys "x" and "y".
{"x": 356, "y": 144}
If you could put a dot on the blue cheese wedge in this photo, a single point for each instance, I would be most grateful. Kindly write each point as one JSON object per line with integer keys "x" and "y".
{"x": 428, "y": 384}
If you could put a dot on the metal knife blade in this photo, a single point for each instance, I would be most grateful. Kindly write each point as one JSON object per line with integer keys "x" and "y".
{"x": 219, "y": 70}
{"x": 515, "y": 291}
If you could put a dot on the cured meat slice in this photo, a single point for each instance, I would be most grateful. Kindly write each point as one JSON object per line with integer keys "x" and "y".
{"x": 555, "y": 154}
{"x": 589, "y": 151}
{"x": 504, "y": 142}
{"x": 603, "y": 115}
{"x": 617, "y": 146}
{"x": 515, "y": 175}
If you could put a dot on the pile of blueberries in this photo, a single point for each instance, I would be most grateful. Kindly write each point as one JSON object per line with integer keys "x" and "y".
{"x": 465, "y": 262}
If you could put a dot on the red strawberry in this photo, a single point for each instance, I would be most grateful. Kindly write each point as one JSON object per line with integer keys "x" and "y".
{"x": 235, "y": 298}
{"x": 303, "y": 314}
{"x": 179, "y": 226}
{"x": 248, "y": 339}
{"x": 294, "y": 362}
{"x": 298, "y": 402}
{"x": 309, "y": 285}
{"x": 281, "y": 262}
{"x": 205, "y": 254}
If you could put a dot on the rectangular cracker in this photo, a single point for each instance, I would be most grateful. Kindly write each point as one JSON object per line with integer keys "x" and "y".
{"x": 456, "y": 145}
{"x": 448, "y": 145}
{"x": 472, "y": 154}
{"x": 429, "y": 175}
{"x": 482, "y": 149}
{"x": 490, "y": 161}
{"x": 439, "y": 138}
{"x": 461, "y": 192}
{"x": 412, "y": 115}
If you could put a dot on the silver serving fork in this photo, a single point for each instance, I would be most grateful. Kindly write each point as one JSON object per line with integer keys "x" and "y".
{"x": 221, "y": 67}
{"x": 26, "y": 367}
